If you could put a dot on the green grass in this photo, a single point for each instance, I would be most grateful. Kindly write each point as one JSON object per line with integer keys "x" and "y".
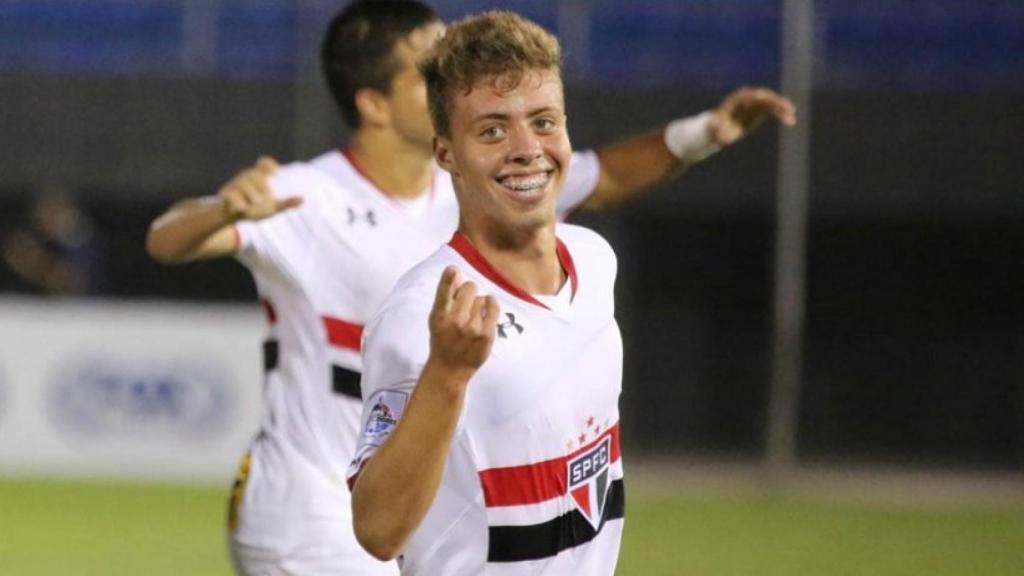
{"x": 56, "y": 528}
{"x": 725, "y": 536}
{"x": 82, "y": 528}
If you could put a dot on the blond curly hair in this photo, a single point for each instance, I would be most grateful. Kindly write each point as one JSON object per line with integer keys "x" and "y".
{"x": 495, "y": 44}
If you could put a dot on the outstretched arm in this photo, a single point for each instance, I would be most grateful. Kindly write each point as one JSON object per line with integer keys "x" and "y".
{"x": 647, "y": 160}
{"x": 397, "y": 485}
{"x": 200, "y": 228}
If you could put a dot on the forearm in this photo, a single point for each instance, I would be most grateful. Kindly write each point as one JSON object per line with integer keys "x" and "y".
{"x": 632, "y": 166}
{"x": 397, "y": 486}
{"x": 649, "y": 160}
{"x": 185, "y": 231}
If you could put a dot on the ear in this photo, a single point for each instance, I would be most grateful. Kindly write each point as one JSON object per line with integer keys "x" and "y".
{"x": 443, "y": 154}
{"x": 373, "y": 107}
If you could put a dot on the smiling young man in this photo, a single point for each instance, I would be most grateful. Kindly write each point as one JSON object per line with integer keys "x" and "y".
{"x": 325, "y": 241}
{"x": 490, "y": 428}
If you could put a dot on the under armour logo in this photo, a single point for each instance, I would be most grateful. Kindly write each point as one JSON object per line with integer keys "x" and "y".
{"x": 510, "y": 324}
{"x": 354, "y": 217}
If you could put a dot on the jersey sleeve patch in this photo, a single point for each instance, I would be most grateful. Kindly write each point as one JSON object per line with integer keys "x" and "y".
{"x": 386, "y": 409}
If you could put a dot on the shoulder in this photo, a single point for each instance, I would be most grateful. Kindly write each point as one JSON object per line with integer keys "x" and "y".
{"x": 396, "y": 342}
{"x": 591, "y": 255}
{"x": 584, "y": 241}
{"x": 324, "y": 175}
{"x": 413, "y": 293}
{"x": 299, "y": 179}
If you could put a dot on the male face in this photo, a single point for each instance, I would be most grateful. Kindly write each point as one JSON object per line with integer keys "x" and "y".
{"x": 407, "y": 100}
{"x": 508, "y": 151}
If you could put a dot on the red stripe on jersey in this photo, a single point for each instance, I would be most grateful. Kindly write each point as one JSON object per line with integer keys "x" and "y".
{"x": 343, "y": 334}
{"x": 465, "y": 248}
{"x": 533, "y": 483}
{"x": 568, "y": 265}
{"x": 268, "y": 309}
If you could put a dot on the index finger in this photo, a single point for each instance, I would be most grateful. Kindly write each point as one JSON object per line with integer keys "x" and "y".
{"x": 445, "y": 288}
{"x": 781, "y": 107}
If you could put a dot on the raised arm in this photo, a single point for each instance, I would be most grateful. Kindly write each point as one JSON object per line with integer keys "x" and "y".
{"x": 647, "y": 160}
{"x": 201, "y": 228}
{"x": 397, "y": 485}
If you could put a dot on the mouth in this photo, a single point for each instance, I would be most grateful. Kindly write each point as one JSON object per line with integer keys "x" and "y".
{"x": 526, "y": 188}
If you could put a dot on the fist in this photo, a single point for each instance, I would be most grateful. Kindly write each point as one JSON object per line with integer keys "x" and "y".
{"x": 462, "y": 325}
{"x": 248, "y": 196}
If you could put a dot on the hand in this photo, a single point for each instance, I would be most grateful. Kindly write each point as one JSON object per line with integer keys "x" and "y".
{"x": 462, "y": 326}
{"x": 744, "y": 110}
{"x": 248, "y": 195}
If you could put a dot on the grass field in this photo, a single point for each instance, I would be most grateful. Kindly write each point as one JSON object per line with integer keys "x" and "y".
{"x": 82, "y": 528}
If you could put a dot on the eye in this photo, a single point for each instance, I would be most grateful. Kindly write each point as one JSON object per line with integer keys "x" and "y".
{"x": 492, "y": 132}
{"x": 545, "y": 124}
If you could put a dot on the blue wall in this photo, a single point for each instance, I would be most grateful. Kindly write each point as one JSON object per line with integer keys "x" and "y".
{"x": 944, "y": 45}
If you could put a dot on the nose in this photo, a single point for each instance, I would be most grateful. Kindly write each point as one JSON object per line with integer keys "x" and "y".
{"x": 524, "y": 146}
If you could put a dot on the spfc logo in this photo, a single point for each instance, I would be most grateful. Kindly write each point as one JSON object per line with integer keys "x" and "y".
{"x": 588, "y": 481}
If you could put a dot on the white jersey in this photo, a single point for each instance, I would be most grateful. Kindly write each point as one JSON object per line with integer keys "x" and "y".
{"x": 321, "y": 270}
{"x": 533, "y": 480}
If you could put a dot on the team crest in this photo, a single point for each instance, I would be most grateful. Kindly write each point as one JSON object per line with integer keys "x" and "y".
{"x": 385, "y": 411}
{"x": 588, "y": 481}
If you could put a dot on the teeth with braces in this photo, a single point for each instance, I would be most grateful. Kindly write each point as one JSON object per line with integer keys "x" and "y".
{"x": 523, "y": 184}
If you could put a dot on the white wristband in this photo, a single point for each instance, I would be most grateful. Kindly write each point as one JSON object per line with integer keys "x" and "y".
{"x": 688, "y": 138}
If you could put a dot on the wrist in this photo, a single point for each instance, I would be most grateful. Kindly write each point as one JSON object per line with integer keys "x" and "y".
{"x": 689, "y": 139}
{"x": 445, "y": 377}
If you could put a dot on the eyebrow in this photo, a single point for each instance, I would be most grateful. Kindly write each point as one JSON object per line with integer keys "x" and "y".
{"x": 500, "y": 116}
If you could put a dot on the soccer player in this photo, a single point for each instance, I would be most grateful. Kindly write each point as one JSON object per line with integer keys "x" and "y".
{"x": 326, "y": 240}
{"x": 489, "y": 441}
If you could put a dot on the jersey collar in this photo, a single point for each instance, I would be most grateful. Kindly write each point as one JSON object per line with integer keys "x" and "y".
{"x": 465, "y": 248}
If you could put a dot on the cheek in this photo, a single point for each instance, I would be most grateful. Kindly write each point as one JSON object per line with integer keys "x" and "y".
{"x": 560, "y": 148}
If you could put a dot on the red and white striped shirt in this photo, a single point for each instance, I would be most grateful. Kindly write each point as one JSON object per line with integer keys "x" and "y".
{"x": 533, "y": 480}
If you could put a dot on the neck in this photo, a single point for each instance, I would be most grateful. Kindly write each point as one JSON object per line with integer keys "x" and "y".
{"x": 396, "y": 167}
{"x": 527, "y": 259}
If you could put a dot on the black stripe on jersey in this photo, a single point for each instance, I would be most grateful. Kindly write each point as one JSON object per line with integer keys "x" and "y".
{"x": 270, "y": 355}
{"x": 520, "y": 543}
{"x": 346, "y": 382}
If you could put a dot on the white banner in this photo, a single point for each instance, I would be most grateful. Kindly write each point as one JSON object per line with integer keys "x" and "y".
{"x": 129, "y": 390}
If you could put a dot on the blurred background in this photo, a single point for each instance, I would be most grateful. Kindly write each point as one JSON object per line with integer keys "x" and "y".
{"x": 901, "y": 194}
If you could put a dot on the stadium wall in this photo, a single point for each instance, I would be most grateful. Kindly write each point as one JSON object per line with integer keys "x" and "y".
{"x": 127, "y": 390}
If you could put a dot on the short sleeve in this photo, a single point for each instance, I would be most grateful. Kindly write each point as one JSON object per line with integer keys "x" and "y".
{"x": 580, "y": 182}
{"x": 396, "y": 344}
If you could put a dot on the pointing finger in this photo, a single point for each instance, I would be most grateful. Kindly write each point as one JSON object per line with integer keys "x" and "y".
{"x": 444, "y": 289}
{"x": 465, "y": 294}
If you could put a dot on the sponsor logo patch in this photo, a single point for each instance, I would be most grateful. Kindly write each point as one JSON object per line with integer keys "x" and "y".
{"x": 588, "y": 481}
{"x": 106, "y": 397}
{"x": 386, "y": 408}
